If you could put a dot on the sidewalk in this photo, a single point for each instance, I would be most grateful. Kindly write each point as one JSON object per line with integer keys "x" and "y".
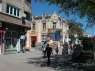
{"x": 21, "y": 62}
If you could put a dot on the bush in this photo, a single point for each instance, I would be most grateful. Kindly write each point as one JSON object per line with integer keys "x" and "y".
{"x": 87, "y": 42}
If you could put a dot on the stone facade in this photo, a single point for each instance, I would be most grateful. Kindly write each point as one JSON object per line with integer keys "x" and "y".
{"x": 44, "y": 25}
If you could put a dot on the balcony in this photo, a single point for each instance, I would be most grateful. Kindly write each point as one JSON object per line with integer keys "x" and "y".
{"x": 14, "y": 20}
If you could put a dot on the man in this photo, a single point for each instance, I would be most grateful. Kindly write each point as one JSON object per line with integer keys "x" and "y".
{"x": 48, "y": 52}
{"x": 44, "y": 48}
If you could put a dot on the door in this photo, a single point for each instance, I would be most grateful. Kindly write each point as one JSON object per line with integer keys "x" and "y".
{"x": 34, "y": 40}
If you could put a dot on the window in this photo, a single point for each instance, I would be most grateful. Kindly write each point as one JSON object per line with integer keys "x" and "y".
{"x": 44, "y": 26}
{"x": 54, "y": 25}
{"x": 12, "y": 10}
{"x": 33, "y": 26}
{"x": 7, "y": 10}
{"x": 15, "y": 11}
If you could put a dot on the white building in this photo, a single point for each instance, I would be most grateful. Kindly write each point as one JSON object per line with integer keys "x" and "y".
{"x": 52, "y": 26}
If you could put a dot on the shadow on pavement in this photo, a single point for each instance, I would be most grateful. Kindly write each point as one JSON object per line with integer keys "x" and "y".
{"x": 59, "y": 63}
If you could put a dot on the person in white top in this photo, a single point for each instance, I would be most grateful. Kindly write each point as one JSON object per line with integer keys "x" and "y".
{"x": 18, "y": 45}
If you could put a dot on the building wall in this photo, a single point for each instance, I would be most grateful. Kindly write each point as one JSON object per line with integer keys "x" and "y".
{"x": 60, "y": 25}
{"x": 28, "y": 40}
{"x": 0, "y": 7}
{"x": 21, "y": 4}
{"x": 14, "y": 20}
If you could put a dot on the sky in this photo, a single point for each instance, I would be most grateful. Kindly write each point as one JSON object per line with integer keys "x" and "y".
{"x": 39, "y": 8}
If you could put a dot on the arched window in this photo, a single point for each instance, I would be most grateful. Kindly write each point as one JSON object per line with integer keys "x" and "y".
{"x": 44, "y": 26}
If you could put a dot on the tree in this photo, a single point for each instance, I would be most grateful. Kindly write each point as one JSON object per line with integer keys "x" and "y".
{"x": 75, "y": 28}
{"x": 80, "y": 7}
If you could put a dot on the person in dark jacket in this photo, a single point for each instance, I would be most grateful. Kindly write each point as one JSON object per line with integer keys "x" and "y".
{"x": 44, "y": 49}
{"x": 77, "y": 52}
{"x": 48, "y": 52}
{"x": 65, "y": 49}
{"x": 57, "y": 50}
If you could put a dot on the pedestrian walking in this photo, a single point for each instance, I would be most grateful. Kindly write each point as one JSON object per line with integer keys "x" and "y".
{"x": 48, "y": 52}
{"x": 76, "y": 53}
{"x": 22, "y": 45}
{"x": 22, "y": 42}
{"x": 56, "y": 50}
{"x": 18, "y": 46}
{"x": 70, "y": 48}
{"x": 65, "y": 49}
{"x": 44, "y": 48}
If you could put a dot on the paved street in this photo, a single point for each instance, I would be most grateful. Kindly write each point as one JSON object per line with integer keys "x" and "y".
{"x": 21, "y": 62}
{"x": 33, "y": 61}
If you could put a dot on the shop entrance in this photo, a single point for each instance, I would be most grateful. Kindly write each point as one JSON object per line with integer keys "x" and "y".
{"x": 11, "y": 39}
{"x": 33, "y": 40}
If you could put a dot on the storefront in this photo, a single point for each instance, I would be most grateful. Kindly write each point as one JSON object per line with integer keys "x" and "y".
{"x": 9, "y": 36}
{"x": 2, "y": 41}
{"x": 12, "y": 34}
{"x": 13, "y": 29}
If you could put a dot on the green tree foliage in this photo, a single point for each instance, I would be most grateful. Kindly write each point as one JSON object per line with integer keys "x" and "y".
{"x": 87, "y": 42}
{"x": 80, "y": 7}
{"x": 75, "y": 28}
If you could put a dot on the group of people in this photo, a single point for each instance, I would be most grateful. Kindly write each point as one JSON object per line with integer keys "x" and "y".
{"x": 72, "y": 49}
{"x": 47, "y": 51}
{"x": 68, "y": 49}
